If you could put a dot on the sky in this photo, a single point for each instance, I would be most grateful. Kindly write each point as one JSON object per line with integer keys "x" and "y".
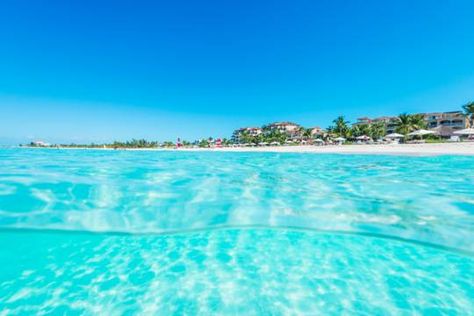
{"x": 96, "y": 71}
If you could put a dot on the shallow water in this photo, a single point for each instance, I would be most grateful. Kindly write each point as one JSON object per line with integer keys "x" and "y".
{"x": 303, "y": 232}
{"x": 244, "y": 271}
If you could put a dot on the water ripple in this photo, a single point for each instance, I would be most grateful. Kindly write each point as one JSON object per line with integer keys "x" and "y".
{"x": 424, "y": 199}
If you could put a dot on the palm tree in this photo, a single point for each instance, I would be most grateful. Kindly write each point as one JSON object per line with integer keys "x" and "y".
{"x": 226, "y": 142}
{"x": 168, "y": 144}
{"x": 377, "y": 130}
{"x": 404, "y": 124}
{"x": 408, "y": 123}
{"x": 365, "y": 129}
{"x": 469, "y": 111}
{"x": 203, "y": 143}
{"x": 356, "y": 130}
{"x": 341, "y": 127}
{"x": 245, "y": 137}
{"x": 306, "y": 132}
{"x": 417, "y": 121}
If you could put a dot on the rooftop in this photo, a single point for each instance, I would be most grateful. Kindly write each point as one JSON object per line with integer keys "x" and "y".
{"x": 283, "y": 123}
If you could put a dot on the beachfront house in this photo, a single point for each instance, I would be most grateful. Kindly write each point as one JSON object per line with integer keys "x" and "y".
{"x": 390, "y": 122}
{"x": 316, "y": 131}
{"x": 442, "y": 123}
{"x": 239, "y": 134}
{"x": 289, "y": 128}
{"x": 454, "y": 119}
{"x": 288, "y": 131}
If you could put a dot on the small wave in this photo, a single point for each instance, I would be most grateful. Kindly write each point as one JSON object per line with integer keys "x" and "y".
{"x": 193, "y": 231}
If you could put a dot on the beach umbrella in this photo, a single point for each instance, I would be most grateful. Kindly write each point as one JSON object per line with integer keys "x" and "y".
{"x": 318, "y": 141}
{"x": 421, "y": 132}
{"x": 443, "y": 131}
{"x": 274, "y": 143}
{"x": 340, "y": 139}
{"x": 289, "y": 141}
{"x": 394, "y": 135}
{"x": 363, "y": 137}
{"x": 467, "y": 131}
{"x": 262, "y": 144}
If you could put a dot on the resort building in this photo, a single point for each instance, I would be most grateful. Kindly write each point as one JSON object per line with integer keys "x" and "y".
{"x": 390, "y": 122}
{"x": 284, "y": 127}
{"x": 316, "y": 131}
{"x": 454, "y": 119}
{"x": 250, "y": 131}
{"x": 444, "y": 123}
{"x": 362, "y": 121}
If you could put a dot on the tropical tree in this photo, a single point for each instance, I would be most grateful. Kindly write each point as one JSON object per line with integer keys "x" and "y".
{"x": 306, "y": 132}
{"x": 469, "y": 111}
{"x": 246, "y": 138}
{"x": 134, "y": 143}
{"x": 341, "y": 127}
{"x": 407, "y": 123}
{"x": 272, "y": 135}
{"x": 361, "y": 129}
{"x": 168, "y": 144}
{"x": 417, "y": 121}
{"x": 403, "y": 124}
{"x": 203, "y": 143}
{"x": 377, "y": 130}
{"x": 226, "y": 142}
{"x": 356, "y": 130}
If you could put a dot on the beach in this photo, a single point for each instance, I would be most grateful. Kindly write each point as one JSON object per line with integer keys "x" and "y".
{"x": 430, "y": 149}
{"x": 466, "y": 148}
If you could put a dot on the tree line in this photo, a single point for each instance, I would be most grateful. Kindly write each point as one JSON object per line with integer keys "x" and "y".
{"x": 404, "y": 124}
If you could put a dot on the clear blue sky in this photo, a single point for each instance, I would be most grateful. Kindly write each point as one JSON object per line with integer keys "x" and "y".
{"x": 104, "y": 70}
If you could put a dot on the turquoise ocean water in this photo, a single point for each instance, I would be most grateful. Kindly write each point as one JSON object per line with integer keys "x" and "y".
{"x": 122, "y": 232}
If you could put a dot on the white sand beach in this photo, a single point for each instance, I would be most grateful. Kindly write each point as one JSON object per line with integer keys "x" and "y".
{"x": 464, "y": 148}
{"x": 461, "y": 148}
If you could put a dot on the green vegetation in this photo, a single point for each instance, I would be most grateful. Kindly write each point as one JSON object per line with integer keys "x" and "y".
{"x": 134, "y": 143}
{"x": 469, "y": 111}
{"x": 375, "y": 130}
{"x": 271, "y": 135}
{"x": 290, "y": 133}
{"x": 407, "y": 123}
{"x": 341, "y": 127}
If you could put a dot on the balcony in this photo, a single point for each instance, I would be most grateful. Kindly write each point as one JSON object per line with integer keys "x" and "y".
{"x": 452, "y": 123}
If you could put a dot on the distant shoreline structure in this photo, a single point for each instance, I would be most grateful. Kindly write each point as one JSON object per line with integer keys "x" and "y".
{"x": 435, "y": 127}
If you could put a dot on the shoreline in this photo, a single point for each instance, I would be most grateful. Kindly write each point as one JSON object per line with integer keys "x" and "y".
{"x": 463, "y": 148}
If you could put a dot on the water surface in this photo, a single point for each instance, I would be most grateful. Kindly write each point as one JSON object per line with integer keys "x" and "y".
{"x": 226, "y": 233}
